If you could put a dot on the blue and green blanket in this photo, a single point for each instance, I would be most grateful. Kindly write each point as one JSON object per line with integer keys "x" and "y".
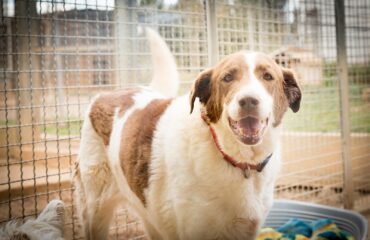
{"x": 295, "y": 229}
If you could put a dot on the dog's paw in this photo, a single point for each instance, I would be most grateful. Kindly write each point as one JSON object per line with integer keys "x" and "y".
{"x": 53, "y": 214}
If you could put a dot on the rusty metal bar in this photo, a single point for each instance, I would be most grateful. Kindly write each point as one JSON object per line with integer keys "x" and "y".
{"x": 342, "y": 71}
{"x": 212, "y": 32}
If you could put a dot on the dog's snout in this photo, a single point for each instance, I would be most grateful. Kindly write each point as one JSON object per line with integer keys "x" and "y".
{"x": 248, "y": 102}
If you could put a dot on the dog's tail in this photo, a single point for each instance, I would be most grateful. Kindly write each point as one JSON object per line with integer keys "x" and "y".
{"x": 165, "y": 75}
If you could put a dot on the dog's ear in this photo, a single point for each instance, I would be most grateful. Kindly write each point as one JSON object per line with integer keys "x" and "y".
{"x": 201, "y": 88}
{"x": 291, "y": 89}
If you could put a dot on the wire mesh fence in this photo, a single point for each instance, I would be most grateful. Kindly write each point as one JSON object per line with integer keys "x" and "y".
{"x": 57, "y": 54}
{"x": 302, "y": 35}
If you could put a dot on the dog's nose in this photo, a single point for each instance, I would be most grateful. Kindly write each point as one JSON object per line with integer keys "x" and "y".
{"x": 248, "y": 102}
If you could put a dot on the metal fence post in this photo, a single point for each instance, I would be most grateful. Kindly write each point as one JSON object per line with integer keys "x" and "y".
{"x": 212, "y": 38}
{"x": 342, "y": 71}
{"x": 124, "y": 32}
{"x": 27, "y": 66}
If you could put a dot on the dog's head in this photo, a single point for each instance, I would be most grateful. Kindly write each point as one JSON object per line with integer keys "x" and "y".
{"x": 247, "y": 91}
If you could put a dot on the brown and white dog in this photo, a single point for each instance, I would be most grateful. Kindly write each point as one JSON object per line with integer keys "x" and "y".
{"x": 205, "y": 175}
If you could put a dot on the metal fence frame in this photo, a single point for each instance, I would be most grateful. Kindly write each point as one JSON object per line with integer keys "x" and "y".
{"x": 340, "y": 27}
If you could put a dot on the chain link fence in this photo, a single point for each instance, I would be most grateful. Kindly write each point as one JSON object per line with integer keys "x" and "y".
{"x": 55, "y": 55}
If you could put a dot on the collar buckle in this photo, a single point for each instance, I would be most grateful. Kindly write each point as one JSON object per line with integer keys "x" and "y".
{"x": 247, "y": 172}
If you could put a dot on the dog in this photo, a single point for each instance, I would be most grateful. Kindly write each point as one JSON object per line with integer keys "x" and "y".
{"x": 200, "y": 166}
{"x": 48, "y": 225}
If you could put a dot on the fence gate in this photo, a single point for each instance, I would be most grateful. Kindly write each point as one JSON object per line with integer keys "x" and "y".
{"x": 57, "y": 54}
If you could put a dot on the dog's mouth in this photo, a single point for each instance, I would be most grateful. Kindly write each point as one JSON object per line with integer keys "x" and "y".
{"x": 249, "y": 130}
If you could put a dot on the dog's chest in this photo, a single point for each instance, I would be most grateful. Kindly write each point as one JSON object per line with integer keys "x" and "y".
{"x": 234, "y": 210}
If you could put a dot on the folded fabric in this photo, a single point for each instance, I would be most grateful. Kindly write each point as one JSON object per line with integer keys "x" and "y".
{"x": 295, "y": 229}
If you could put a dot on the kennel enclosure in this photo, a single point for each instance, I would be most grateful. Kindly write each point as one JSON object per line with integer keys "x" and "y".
{"x": 57, "y": 54}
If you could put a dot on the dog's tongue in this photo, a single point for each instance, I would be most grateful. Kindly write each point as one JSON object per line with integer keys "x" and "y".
{"x": 249, "y": 126}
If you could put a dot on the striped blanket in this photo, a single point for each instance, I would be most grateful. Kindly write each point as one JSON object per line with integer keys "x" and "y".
{"x": 295, "y": 229}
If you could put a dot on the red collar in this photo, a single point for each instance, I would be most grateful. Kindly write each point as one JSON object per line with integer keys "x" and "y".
{"x": 245, "y": 167}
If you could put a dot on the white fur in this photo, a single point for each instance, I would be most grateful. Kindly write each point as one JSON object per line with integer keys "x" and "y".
{"x": 192, "y": 192}
{"x": 48, "y": 226}
{"x": 253, "y": 89}
{"x": 195, "y": 194}
{"x": 141, "y": 100}
{"x": 96, "y": 200}
{"x": 165, "y": 76}
{"x": 99, "y": 180}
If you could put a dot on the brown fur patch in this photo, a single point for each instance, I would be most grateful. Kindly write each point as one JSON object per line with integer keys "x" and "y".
{"x": 213, "y": 91}
{"x": 292, "y": 90}
{"x": 283, "y": 88}
{"x": 136, "y": 144}
{"x": 102, "y": 110}
{"x": 275, "y": 87}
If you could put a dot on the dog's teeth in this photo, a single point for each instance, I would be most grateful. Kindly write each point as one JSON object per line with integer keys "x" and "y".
{"x": 241, "y": 132}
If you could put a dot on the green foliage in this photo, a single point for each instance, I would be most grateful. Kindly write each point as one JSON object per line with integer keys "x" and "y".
{"x": 320, "y": 111}
{"x": 329, "y": 74}
{"x": 357, "y": 73}
{"x": 71, "y": 128}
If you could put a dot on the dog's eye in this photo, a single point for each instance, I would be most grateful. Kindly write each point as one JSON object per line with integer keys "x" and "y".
{"x": 267, "y": 76}
{"x": 228, "y": 78}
